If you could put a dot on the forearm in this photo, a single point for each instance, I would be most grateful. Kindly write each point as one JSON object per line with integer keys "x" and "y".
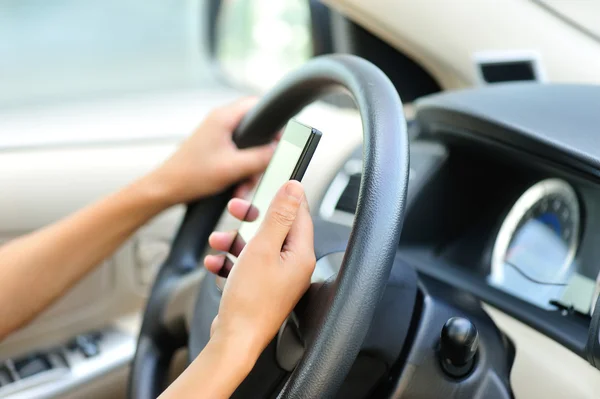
{"x": 216, "y": 372}
{"x": 38, "y": 268}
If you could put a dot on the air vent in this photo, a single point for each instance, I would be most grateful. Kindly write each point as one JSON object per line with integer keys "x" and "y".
{"x": 508, "y": 66}
{"x": 349, "y": 198}
{"x": 507, "y": 71}
{"x": 340, "y": 200}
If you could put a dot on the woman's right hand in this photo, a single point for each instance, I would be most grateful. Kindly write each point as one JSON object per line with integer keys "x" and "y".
{"x": 272, "y": 271}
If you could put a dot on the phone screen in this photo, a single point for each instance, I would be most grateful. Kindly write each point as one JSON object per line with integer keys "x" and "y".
{"x": 289, "y": 161}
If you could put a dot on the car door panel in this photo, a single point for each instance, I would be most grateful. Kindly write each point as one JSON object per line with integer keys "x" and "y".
{"x": 56, "y": 160}
{"x": 44, "y": 185}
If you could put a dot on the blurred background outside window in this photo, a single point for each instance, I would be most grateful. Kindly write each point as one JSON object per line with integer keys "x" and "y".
{"x": 258, "y": 41}
{"x": 73, "y": 50}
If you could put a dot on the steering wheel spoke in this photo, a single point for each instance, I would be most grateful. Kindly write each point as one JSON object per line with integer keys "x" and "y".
{"x": 290, "y": 345}
{"x": 180, "y": 304}
{"x": 165, "y": 328}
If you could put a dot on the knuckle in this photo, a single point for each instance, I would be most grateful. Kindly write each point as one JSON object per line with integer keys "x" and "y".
{"x": 284, "y": 215}
{"x": 222, "y": 169}
{"x": 218, "y": 115}
{"x": 309, "y": 259}
{"x": 305, "y": 260}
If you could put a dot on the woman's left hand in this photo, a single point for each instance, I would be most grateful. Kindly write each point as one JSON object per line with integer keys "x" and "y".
{"x": 209, "y": 161}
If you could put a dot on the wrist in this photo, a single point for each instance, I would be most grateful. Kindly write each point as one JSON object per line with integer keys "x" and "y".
{"x": 149, "y": 194}
{"x": 218, "y": 370}
{"x": 238, "y": 351}
{"x": 157, "y": 189}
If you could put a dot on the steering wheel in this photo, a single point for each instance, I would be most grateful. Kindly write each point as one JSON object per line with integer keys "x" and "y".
{"x": 336, "y": 316}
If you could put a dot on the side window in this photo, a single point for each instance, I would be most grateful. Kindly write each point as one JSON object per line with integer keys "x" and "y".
{"x": 55, "y": 50}
{"x": 258, "y": 41}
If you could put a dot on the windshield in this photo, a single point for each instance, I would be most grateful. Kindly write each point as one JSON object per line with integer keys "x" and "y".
{"x": 73, "y": 49}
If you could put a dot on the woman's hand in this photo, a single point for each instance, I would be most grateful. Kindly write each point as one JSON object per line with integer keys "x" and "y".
{"x": 209, "y": 161}
{"x": 271, "y": 274}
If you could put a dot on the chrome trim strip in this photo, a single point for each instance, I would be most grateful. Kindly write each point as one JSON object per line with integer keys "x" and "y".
{"x": 519, "y": 210}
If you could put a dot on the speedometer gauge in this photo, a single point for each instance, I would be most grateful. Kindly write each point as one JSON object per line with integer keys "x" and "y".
{"x": 534, "y": 251}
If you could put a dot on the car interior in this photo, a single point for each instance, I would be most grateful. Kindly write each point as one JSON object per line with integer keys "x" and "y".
{"x": 453, "y": 191}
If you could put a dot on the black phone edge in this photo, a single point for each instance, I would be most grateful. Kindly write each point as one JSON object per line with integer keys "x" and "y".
{"x": 306, "y": 155}
{"x": 297, "y": 174}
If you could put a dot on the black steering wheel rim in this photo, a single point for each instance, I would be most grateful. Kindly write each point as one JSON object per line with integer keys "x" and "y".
{"x": 371, "y": 247}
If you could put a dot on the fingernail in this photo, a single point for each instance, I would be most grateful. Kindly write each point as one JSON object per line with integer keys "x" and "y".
{"x": 294, "y": 189}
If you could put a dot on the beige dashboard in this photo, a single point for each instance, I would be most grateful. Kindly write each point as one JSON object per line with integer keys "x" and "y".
{"x": 445, "y": 36}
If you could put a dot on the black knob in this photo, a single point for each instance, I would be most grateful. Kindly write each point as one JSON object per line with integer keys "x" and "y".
{"x": 459, "y": 341}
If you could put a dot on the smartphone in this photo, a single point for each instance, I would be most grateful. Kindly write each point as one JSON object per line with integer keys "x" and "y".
{"x": 290, "y": 161}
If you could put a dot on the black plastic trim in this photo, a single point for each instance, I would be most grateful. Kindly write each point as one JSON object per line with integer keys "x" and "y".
{"x": 306, "y": 155}
{"x": 320, "y": 28}
{"x": 439, "y": 130}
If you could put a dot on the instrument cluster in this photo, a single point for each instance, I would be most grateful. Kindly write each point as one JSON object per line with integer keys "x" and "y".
{"x": 534, "y": 254}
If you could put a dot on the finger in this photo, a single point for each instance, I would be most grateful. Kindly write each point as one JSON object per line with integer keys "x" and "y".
{"x": 221, "y": 240}
{"x": 242, "y": 190}
{"x": 218, "y": 264}
{"x": 281, "y": 214}
{"x": 253, "y": 160}
{"x": 278, "y": 136}
{"x": 214, "y": 263}
{"x": 238, "y": 208}
{"x": 227, "y": 241}
{"x": 242, "y": 210}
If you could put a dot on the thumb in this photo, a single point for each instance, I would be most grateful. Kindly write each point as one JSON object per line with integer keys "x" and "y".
{"x": 300, "y": 239}
{"x": 213, "y": 325}
{"x": 281, "y": 214}
{"x": 251, "y": 161}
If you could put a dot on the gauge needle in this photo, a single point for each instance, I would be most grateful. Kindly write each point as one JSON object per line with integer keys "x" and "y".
{"x": 522, "y": 273}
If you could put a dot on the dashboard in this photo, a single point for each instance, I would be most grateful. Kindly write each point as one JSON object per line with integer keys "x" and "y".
{"x": 524, "y": 240}
{"x": 501, "y": 204}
